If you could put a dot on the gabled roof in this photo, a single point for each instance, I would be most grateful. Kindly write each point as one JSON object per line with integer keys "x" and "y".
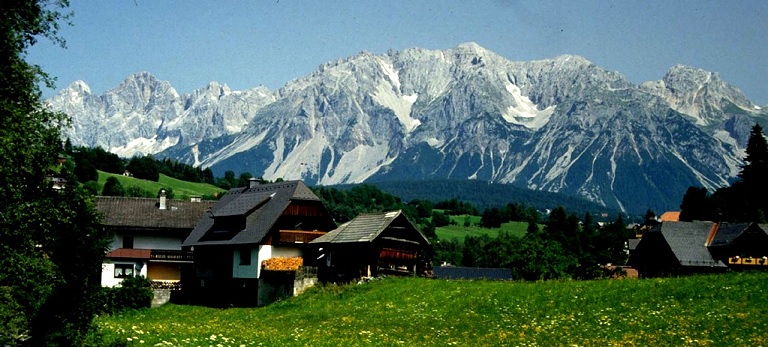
{"x": 260, "y": 206}
{"x": 365, "y": 228}
{"x": 242, "y": 204}
{"x": 144, "y": 212}
{"x": 688, "y": 242}
{"x": 727, "y": 232}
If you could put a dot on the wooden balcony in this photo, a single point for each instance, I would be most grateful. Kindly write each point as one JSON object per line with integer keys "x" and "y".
{"x": 170, "y": 255}
{"x": 298, "y": 236}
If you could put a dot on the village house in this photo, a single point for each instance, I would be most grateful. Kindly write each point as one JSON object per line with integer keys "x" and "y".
{"x": 147, "y": 235}
{"x": 678, "y": 248}
{"x": 371, "y": 245}
{"x": 248, "y": 227}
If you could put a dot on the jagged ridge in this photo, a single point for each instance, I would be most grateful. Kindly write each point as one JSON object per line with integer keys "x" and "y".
{"x": 561, "y": 125}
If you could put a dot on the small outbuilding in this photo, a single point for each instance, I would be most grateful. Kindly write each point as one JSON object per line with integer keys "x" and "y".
{"x": 371, "y": 245}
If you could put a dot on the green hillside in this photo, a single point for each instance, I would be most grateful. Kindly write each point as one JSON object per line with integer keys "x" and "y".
{"x": 181, "y": 189}
{"x": 715, "y": 310}
{"x": 459, "y": 231}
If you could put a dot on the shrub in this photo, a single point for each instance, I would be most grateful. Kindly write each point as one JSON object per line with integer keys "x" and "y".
{"x": 133, "y": 293}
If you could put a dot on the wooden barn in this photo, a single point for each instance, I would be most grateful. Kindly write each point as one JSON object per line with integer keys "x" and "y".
{"x": 371, "y": 245}
{"x": 674, "y": 248}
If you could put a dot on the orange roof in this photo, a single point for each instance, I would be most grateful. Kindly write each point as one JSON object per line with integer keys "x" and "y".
{"x": 670, "y": 216}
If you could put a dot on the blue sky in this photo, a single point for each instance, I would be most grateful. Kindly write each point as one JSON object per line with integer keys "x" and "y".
{"x": 249, "y": 43}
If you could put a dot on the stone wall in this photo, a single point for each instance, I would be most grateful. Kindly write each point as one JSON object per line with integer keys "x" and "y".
{"x": 161, "y": 297}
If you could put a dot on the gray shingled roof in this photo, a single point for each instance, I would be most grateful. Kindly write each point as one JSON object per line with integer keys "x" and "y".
{"x": 727, "y": 232}
{"x": 261, "y": 206}
{"x": 242, "y": 204}
{"x": 363, "y": 228}
{"x": 144, "y": 212}
{"x": 688, "y": 242}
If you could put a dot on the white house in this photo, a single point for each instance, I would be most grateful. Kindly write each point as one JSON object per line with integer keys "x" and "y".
{"x": 147, "y": 237}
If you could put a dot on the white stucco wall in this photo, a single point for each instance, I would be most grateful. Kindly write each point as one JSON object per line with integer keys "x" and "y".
{"x": 146, "y": 242}
{"x": 149, "y": 242}
{"x": 108, "y": 272}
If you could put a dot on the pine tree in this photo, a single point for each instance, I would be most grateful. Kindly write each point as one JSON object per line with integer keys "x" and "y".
{"x": 754, "y": 175}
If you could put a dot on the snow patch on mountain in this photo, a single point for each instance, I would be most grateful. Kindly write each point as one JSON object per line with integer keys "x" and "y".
{"x": 434, "y": 142}
{"x": 145, "y": 146}
{"x": 524, "y": 111}
{"x": 389, "y": 70}
{"x": 389, "y": 96}
{"x": 304, "y": 158}
{"x": 361, "y": 162}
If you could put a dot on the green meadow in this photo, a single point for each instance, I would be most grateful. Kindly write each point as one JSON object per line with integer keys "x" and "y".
{"x": 181, "y": 189}
{"x": 458, "y": 231}
{"x": 708, "y": 310}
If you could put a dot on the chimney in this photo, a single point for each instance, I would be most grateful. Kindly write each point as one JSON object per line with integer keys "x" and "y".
{"x": 162, "y": 199}
{"x": 252, "y": 182}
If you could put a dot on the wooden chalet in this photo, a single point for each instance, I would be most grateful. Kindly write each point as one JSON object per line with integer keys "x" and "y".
{"x": 246, "y": 227}
{"x": 147, "y": 237}
{"x": 371, "y": 245}
{"x": 675, "y": 248}
{"x": 741, "y": 245}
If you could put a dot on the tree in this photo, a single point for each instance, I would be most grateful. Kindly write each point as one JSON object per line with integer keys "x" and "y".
{"x": 440, "y": 219}
{"x": 448, "y": 251}
{"x": 492, "y": 218}
{"x": 245, "y": 177}
{"x": 50, "y": 248}
{"x": 113, "y": 187}
{"x": 696, "y": 205}
{"x": 145, "y": 168}
{"x": 229, "y": 180}
{"x": 753, "y": 175}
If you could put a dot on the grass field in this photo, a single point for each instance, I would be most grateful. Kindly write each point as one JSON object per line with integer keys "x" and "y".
{"x": 181, "y": 189}
{"x": 716, "y": 310}
{"x": 459, "y": 231}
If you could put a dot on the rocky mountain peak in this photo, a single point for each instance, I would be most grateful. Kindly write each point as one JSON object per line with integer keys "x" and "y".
{"x": 79, "y": 87}
{"x": 700, "y": 94}
{"x": 560, "y": 124}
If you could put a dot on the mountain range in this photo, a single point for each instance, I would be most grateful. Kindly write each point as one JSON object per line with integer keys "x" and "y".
{"x": 559, "y": 125}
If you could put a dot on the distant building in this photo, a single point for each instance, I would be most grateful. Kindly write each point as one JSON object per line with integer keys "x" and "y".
{"x": 670, "y": 216}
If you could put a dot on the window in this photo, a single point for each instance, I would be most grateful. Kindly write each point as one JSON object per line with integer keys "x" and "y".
{"x": 123, "y": 270}
{"x": 245, "y": 256}
{"x": 127, "y": 241}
